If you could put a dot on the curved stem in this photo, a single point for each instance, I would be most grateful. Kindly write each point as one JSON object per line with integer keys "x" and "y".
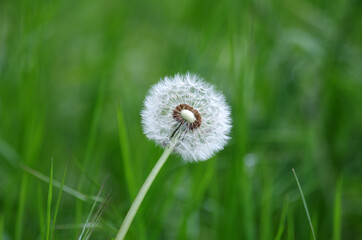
{"x": 143, "y": 191}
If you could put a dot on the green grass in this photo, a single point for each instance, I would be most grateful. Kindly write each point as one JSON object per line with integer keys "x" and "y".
{"x": 305, "y": 205}
{"x": 41, "y": 213}
{"x": 49, "y": 204}
{"x": 56, "y": 209}
{"x": 73, "y": 77}
{"x": 337, "y": 224}
{"x": 282, "y": 222}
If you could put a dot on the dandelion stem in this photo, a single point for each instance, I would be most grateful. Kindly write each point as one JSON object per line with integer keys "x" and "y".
{"x": 144, "y": 189}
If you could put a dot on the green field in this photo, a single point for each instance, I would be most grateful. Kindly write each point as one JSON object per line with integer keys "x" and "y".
{"x": 73, "y": 77}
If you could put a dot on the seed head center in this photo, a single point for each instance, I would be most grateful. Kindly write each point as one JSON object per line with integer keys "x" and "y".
{"x": 184, "y": 113}
{"x": 188, "y": 115}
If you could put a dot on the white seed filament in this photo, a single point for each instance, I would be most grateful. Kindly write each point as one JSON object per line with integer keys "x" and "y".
{"x": 188, "y": 115}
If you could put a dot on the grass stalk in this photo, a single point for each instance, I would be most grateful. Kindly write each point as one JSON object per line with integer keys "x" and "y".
{"x": 49, "y": 203}
{"x": 57, "y": 204}
{"x": 65, "y": 188}
{"x": 337, "y": 211}
{"x": 1, "y": 226}
{"x": 305, "y": 204}
{"x": 97, "y": 216}
{"x": 83, "y": 234}
{"x": 41, "y": 213}
{"x": 21, "y": 208}
{"x": 124, "y": 146}
{"x": 290, "y": 226}
{"x": 96, "y": 116}
{"x": 282, "y": 221}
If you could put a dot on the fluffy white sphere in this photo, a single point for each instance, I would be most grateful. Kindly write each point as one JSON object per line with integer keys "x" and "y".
{"x": 200, "y": 141}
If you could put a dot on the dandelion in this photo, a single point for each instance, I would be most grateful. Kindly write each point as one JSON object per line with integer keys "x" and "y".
{"x": 188, "y": 104}
{"x": 187, "y": 116}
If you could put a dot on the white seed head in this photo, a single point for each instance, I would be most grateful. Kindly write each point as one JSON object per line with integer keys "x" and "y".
{"x": 186, "y": 100}
{"x": 188, "y": 115}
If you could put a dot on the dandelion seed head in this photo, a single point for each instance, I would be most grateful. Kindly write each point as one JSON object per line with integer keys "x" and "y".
{"x": 186, "y": 100}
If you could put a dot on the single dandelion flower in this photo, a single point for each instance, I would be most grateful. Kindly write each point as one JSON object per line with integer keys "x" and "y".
{"x": 188, "y": 104}
{"x": 185, "y": 115}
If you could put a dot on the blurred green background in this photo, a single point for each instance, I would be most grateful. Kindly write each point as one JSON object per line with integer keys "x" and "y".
{"x": 73, "y": 77}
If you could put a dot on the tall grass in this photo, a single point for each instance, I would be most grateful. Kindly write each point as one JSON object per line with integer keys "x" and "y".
{"x": 73, "y": 76}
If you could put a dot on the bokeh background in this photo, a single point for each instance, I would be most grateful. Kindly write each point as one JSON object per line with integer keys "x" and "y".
{"x": 74, "y": 74}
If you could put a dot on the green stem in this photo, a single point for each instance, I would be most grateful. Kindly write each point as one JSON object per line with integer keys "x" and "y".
{"x": 144, "y": 189}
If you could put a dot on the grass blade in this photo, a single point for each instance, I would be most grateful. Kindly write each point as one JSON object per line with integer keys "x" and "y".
{"x": 1, "y": 226}
{"x": 305, "y": 204}
{"x": 41, "y": 212}
{"x": 127, "y": 165}
{"x": 90, "y": 213}
{"x": 122, "y": 131}
{"x": 96, "y": 116}
{"x": 49, "y": 203}
{"x": 282, "y": 221}
{"x": 20, "y": 215}
{"x": 58, "y": 202}
{"x": 57, "y": 184}
{"x": 337, "y": 211}
{"x": 290, "y": 229}
{"x": 97, "y": 216}
{"x": 14, "y": 159}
